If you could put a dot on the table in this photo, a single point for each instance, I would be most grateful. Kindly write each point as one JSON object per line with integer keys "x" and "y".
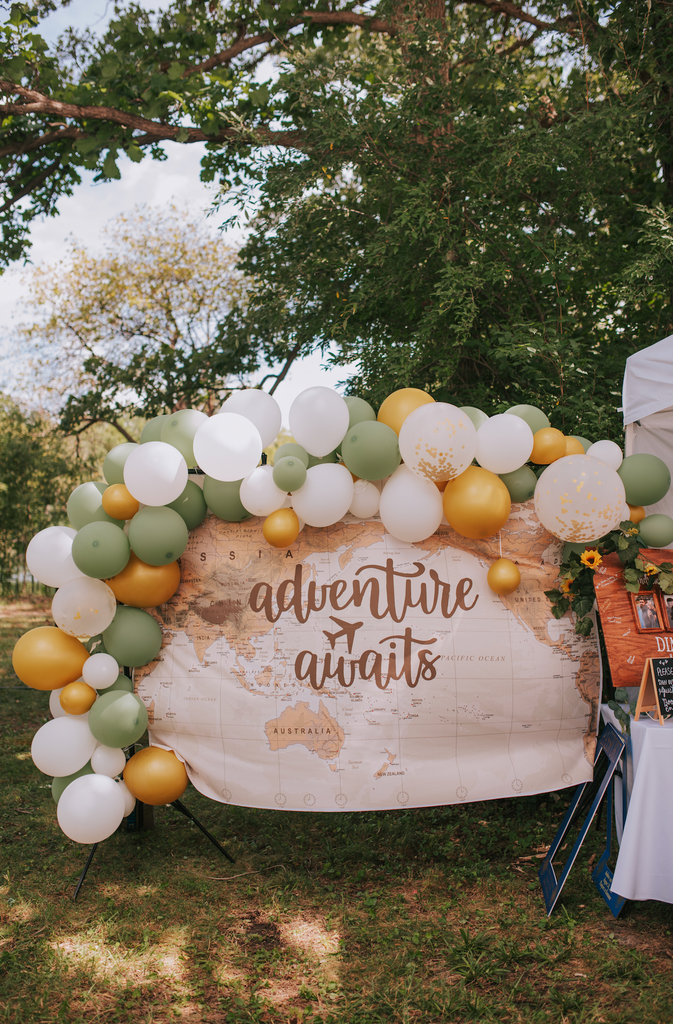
{"x": 644, "y": 869}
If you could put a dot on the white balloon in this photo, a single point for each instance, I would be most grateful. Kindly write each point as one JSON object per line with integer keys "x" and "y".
{"x": 63, "y": 746}
{"x": 155, "y": 473}
{"x": 326, "y": 495}
{"x": 260, "y": 408}
{"x": 227, "y": 447}
{"x": 608, "y": 452}
{"x": 55, "y": 703}
{"x": 411, "y": 508}
{"x": 84, "y": 607}
{"x": 108, "y": 760}
{"x": 91, "y": 808}
{"x": 504, "y": 443}
{"x": 100, "y": 670}
{"x": 319, "y": 420}
{"x": 438, "y": 441}
{"x": 366, "y": 497}
{"x": 578, "y": 499}
{"x": 129, "y": 799}
{"x": 49, "y": 556}
{"x": 259, "y": 493}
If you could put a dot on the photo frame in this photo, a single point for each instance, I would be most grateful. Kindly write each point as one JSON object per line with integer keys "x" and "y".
{"x": 647, "y": 612}
{"x": 666, "y": 606}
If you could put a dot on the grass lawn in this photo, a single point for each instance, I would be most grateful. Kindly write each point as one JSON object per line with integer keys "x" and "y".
{"x": 429, "y": 915}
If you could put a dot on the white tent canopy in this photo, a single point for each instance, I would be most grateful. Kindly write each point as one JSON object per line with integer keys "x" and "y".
{"x": 648, "y": 408}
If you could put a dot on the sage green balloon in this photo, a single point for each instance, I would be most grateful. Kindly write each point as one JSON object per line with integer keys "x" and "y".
{"x": 646, "y": 479}
{"x": 476, "y": 415}
{"x": 289, "y": 473}
{"x": 152, "y": 429}
{"x": 656, "y": 531}
{"x": 371, "y": 450}
{"x": 223, "y": 498}
{"x": 115, "y": 460}
{"x": 95, "y": 645}
{"x": 100, "y": 550}
{"x": 122, "y": 683}
{"x": 191, "y": 505}
{"x": 118, "y": 719}
{"x": 179, "y": 429}
{"x": 533, "y": 416}
{"x": 133, "y": 638}
{"x": 158, "y": 535}
{"x": 85, "y": 505}
{"x": 59, "y": 783}
{"x": 583, "y": 441}
{"x": 294, "y": 449}
{"x": 520, "y": 483}
{"x": 359, "y": 411}
{"x": 313, "y": 460}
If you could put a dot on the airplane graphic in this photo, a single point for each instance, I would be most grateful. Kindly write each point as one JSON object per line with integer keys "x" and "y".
{"x": 348, "y": 630}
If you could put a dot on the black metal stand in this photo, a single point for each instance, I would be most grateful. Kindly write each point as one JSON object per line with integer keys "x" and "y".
{"x": 179, "y": 806}
{"x": 86, "y": 868}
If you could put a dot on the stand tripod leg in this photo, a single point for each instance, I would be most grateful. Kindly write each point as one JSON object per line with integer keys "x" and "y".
{"x": 86, "y": 868}
{"x": 179, "y": 806}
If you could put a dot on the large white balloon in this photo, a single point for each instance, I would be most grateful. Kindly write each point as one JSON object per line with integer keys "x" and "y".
{"x": 108, "y": 760}
{"x": 608, "y": 452}
{"x": 63, "y": 746}
{"x": 411, "y": 508}
{"x": 100, "y": 671}
{"x": 84, "y": 607}
{"x": 91, "y": 808}
{"x": 319, "y": 420}
{"x": 129, "y": 799}
{"x": 326, "y": 495}
{"x": 55, "y": 703}
{"x": 155, "y": 473}
{"x": 260, "y": 408}
{"x": 49, "y": 556}
{"x": 259, "y": 493}
{"x": 504, "y": 443}
{"x": 366, "y": 497}
{"x": 227, "y": 447}
{"x": 438, "y": 441}
{"x": 578, "y": 499}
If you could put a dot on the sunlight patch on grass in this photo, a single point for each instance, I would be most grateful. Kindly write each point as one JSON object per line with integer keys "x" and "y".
{"x": 311, "y": 936}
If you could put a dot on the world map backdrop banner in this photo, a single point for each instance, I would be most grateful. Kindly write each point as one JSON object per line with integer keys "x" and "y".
{"x": 357, "y": 672}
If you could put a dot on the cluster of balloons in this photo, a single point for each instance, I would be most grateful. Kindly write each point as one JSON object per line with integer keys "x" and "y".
{"x": 416, "y": 464}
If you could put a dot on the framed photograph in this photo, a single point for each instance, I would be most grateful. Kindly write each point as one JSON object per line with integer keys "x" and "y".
{"x": 647, "y": 613}
{"x": 666, "y": 603}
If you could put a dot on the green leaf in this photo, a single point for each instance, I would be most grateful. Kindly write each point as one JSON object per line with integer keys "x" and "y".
{"x": 183, "y": 135}
{"x": 110, "y": 169}
{"x": 134, "y": 153}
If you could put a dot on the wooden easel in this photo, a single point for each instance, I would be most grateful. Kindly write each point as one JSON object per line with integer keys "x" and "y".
{"x": 648, "y": 697}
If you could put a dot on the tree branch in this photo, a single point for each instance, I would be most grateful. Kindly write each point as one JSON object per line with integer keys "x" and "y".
{"x": 33, "y": 183}
{"x": 518, "y": 13}
{"x": 102, "y": 419}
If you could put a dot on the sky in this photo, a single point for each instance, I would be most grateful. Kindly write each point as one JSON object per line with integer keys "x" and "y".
{"x": 84, "y": 215}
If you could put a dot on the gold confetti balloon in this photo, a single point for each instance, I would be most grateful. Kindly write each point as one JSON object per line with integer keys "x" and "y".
{"x": 438, "y": 441}
{"x": 579, "y": 498}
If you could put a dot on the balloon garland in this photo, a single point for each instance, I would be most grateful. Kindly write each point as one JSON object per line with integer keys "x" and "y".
{"x": 415, "y": 464}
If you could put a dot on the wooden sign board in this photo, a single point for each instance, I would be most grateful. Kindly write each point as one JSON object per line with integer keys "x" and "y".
{"x": 656, "y": 689}
{"x": 627, "y": 648}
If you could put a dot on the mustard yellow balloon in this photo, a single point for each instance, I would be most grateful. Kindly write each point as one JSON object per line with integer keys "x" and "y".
{"x": 503, "y": 576}
{"x": 549, "y": 444}
{"x": 477, "y": 503}
{"x": 637, "y": 512}
{"x": 573, "y": 447}
{"x": 118, "y": 502}
{"x": 397, "y": 406}
{"x": 281, "y": 527}
{"x": 143, "y": 586}
{"x": 46, "y": 658}
{"x": 155, "y": 776}
{"x": 77, "y": 698}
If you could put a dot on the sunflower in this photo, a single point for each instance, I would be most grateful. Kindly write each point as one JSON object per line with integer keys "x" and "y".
{"x": 565, "y": 586}
{"x": 651, "y": 569}
{"x": 590, "y": 558}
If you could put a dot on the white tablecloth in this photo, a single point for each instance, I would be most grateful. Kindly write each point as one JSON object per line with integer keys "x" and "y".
{"x": 644, "y": 869}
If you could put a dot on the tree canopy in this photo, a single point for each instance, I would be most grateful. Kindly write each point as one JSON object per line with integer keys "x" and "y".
{"x": 462, "y": 196}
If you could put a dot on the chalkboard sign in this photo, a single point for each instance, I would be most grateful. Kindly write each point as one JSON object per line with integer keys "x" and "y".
{"x": 656, "y": 688}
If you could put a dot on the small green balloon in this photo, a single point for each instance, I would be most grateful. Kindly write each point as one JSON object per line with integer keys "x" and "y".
{"x": 152, "y": 429}
{"x": 533, "y": 416}
{"x": 359, "y": 411}
{"x": 289, "y": 473}
{"x": 115, "y": 460}
{"x": 179, "y": 429}
{"x": 85, "y": 505}
{"x": 646, "y": 479}
{"x": 371, "y": 450}
{"x": 59, "y": 783}
{"x": 100, "y": 550}
{"x": 583, "y": 441}
{"x": 133, "y": 638}
{"x": 95, "y": 645}
{"x": 656, "y": 531}
{"x": 158, "y": 535}
{"x": 118, "y": 719}
{"x": 520, "y": 483}
{"x": 191, "y": 505}
{"x": 313, "y": 460}
{"x": 223, "y": 498}
{"x": 121, "y": 683}
{"x": 476, "y": 415}
{"x": 294, "y": 449}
